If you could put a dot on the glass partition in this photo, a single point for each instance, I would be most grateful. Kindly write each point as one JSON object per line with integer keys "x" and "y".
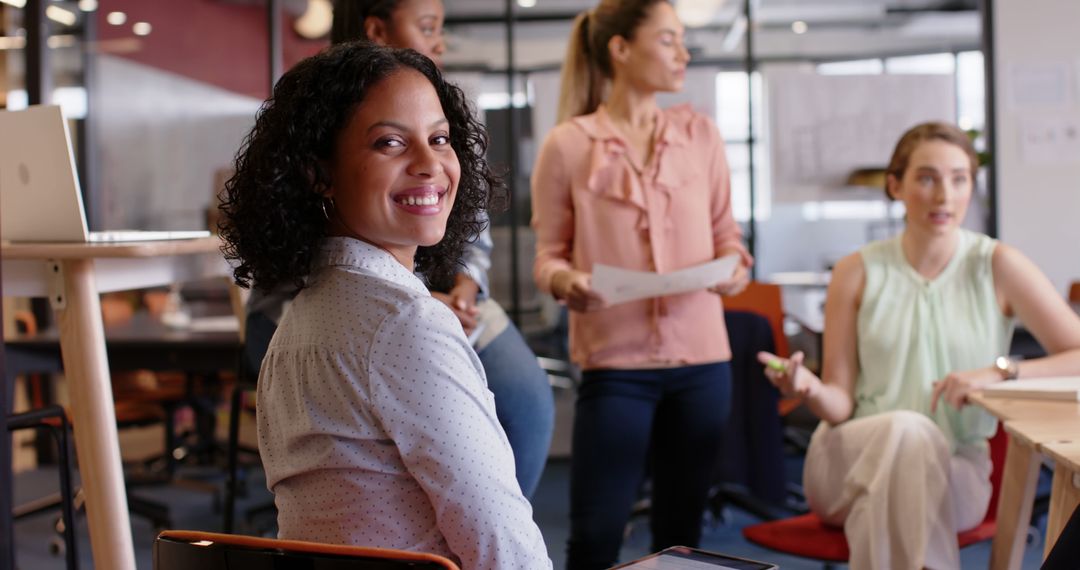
{"x": 161, "y": 94}
{"x": 164, "y": 91}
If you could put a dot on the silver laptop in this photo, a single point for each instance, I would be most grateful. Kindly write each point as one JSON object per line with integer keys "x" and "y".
{"x": 40, "y": 199}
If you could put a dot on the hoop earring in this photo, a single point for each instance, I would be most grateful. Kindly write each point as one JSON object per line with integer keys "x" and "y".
{"x": 322, "y": 204}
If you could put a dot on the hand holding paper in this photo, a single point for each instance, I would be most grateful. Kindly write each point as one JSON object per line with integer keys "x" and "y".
{"x": 618, "y": 285}
{"x": 575, "y": 289}
{"x": 735, "y": 284}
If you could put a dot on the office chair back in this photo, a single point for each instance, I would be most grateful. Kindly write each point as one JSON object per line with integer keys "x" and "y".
{"x": 766, "y": 299}
{"x": 193, "y": 550}
{"x": 763, "y": 299}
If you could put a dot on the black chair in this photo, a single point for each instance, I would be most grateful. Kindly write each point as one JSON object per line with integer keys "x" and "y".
{"x": 233, "y": 475}
{"x": 256, "y": 335}
{"x": 53, "y": 420}
{"x": 750, "y": 471}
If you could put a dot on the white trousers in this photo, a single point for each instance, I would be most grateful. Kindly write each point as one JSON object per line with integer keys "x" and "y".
{"x": 892, "y": 483}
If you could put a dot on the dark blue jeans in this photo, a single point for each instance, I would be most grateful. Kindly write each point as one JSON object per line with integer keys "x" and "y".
{"x": 676, "y": 416}
{"x": 524, "y": 403}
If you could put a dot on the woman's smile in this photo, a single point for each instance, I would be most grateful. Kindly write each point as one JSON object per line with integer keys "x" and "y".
{"x": 421, "y": 200}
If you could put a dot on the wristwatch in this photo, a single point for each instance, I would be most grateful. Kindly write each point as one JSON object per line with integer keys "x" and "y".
{"x": 1007, "y": 367}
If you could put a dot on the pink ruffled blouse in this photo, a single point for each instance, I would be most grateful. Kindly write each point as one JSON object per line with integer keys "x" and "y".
{"x": 592, "y": 203}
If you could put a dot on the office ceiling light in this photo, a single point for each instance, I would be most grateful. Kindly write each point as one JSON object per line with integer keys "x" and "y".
{"x": 15, "y": 3}
{"x": 799, "y": 27}
{"x": 316, "y": 20}
{"x": 88, "y": 5}
{"x": 526, "y": 3}
{"x": 12, "y": 42}
{"x": 61, "y": 16}
{"x": 697, "y": 13}
{"x": 116, "y": 18}
{"x": 141, "y": 28}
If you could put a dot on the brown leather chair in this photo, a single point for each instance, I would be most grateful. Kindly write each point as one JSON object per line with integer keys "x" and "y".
{"x": 193, "y": 550}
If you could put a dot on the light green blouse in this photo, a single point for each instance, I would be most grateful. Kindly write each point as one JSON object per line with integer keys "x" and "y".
{"x": 913, "y": 331}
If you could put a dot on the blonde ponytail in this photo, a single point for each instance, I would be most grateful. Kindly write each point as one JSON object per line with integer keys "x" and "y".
{"x": 587, "y": 67}
{"x": 582, "y": 82}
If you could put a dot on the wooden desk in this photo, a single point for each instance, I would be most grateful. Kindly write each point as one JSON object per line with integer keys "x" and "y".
{"x": 71, "y": 276}
{"x": 1065, "y": 490}
{"x": 1034, "y": 426}
{"x": 143, "y": 343}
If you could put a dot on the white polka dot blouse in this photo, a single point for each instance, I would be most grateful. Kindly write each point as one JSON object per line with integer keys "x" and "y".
{"x": 376, "y": 427}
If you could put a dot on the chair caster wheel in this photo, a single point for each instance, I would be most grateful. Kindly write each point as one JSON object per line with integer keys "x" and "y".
{"x": 56, "y": 547}
{"x": 1034, "y": 537}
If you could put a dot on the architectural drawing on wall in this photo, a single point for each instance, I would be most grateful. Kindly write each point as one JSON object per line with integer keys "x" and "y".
{"x": 821, "y": 128}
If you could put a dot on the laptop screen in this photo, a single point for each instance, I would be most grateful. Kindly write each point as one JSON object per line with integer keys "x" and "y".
{"x": 40, "y": 199}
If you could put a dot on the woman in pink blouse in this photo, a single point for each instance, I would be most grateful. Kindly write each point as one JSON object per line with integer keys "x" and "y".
{"x": 624, "y": 183}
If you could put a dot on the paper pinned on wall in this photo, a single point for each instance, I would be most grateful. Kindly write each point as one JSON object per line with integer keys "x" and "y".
{"x": 1040, "y": 85}
{"x": 617, "y": 285}
{"x": 1050, "y": 140}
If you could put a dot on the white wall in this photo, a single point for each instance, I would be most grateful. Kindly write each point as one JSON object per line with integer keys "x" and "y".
{"x": 1037, "y": 89}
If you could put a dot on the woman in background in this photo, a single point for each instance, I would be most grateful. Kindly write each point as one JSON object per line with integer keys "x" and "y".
{"x": 914, "y": 324}
{"x": 375, "y": 425}
{"x": 523, "y": 398}
{"x": 622, "y": 182}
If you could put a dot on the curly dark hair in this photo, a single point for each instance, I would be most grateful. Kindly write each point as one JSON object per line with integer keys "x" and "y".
{"x": 273, "y": 218}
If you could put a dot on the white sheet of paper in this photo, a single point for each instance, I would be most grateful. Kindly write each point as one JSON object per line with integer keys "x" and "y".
{"x": 617, "y": 285}
{"x": 1061, "y": 388}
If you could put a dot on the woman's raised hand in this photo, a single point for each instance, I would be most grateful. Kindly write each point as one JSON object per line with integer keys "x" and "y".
{"x": 788, "y": 374}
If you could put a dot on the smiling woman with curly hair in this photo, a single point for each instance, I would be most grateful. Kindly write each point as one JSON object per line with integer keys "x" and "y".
{"x": 375, "y": 423}
{"x": 273, "y": 205}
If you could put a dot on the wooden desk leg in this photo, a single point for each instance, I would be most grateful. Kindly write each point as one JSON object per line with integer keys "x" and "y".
{"x": 1014, "y": 505}
{"x": 82, "y": 343}
{"x": 1064, "y": 496}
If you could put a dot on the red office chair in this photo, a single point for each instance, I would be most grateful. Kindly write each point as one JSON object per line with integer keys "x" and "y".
{"x": 766, "y": 299}
{"x": 808, "y": 536}
{"x": 750, "y": 470}
{"x": 763, "y": 299}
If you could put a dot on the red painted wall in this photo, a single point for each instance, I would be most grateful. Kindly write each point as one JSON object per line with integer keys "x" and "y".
{"x": 220, "y": 42}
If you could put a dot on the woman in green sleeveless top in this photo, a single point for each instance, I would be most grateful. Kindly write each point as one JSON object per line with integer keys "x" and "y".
{"x": 913, "y": 324}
